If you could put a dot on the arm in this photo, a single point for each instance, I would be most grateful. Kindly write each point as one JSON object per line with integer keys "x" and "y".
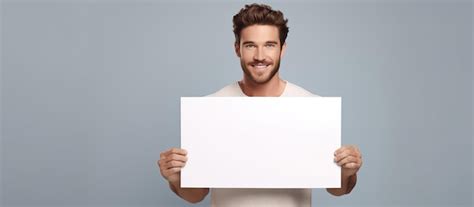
{"x": 192, "y": 195}
{"x": 347, "y": 184}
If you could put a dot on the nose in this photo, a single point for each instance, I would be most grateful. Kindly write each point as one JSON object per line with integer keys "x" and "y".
{"x": 259, "y": 55}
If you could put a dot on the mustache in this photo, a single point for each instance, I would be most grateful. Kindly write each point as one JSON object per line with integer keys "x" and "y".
{"x": 265, "y": 62}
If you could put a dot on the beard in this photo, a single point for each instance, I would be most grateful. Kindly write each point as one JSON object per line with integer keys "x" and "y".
{"x": 257, "y": 80}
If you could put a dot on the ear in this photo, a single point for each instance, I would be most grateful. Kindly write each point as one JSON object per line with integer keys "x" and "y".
{"x": 237, "y": 49}
{"x": 283, "y": 50}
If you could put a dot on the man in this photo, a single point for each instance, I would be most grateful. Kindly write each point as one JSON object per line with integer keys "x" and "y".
{"x": 260, "y": 35}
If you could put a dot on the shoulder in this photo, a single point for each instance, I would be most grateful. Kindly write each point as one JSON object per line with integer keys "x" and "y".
{"x": 295, "y": 90}
{"x": 232, "y": 89}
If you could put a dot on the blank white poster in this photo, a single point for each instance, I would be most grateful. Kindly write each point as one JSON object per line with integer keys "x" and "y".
{"x": 261, "y": 142}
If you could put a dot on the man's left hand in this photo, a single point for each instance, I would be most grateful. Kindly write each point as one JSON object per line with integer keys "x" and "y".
{"x": 349, "y": 158}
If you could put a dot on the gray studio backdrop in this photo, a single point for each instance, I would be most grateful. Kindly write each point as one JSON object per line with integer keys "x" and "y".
{"x": 90, "y": 94}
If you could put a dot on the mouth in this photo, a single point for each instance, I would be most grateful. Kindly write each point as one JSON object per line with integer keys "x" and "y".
{"x": 260, "y": 66}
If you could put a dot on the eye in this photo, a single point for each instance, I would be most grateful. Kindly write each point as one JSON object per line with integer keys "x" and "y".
{"x": 249, "y": 46}
{"x": 270, "y": 45}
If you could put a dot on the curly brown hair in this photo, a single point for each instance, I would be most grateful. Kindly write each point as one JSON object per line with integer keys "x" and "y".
{"x": 260, "y": 14}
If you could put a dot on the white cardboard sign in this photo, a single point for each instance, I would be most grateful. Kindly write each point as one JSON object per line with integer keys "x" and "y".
{"x": 261, "y": 142}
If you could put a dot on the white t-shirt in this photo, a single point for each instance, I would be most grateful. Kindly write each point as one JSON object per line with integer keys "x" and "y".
{"x": 246, "y": 197}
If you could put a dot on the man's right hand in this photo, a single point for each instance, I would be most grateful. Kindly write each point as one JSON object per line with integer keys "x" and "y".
{"x": 171, "y": 162}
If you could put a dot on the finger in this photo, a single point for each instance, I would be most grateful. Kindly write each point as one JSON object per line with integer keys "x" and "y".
{"x": 174, "y": 150}
{"x": 171, "y": 171}
{"x": 351, "y": 165}
{"x": 357, "y": 150}
{"x": 347, "y": 159}
{"x": 162, "y": 162}
{"x": 167, "y": 163}
{"x": 164, "y": 153}
{"x": 342, "y": 155}
{"x": 347, "y": 152}
{"x": 338, "y": 151}
{"x": 173, "y": 164}
{"x": 177, "y": 157}
{"x": 347, "y": 147}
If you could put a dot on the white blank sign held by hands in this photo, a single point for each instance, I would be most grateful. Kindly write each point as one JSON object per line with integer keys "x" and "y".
{"x": 261, "y": 142}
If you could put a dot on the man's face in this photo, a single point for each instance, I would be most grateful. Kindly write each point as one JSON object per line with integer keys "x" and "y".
{"x": 260, "y": 52}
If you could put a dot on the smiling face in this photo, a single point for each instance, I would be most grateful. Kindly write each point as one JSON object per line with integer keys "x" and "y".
{"x": 260, "y": 52}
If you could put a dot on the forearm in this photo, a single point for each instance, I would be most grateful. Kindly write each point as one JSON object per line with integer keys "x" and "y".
{"x": 192, "y": 195}
{"x": 347, "y": 184}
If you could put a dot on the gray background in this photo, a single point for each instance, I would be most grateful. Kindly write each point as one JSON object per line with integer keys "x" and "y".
{"x": 90, "y": 94}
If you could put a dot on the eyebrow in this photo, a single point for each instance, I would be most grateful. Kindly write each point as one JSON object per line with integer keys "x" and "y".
{"x": 248, "y": 42}
{"x": 267, "y": 42}
{"x": 272, "y": 42}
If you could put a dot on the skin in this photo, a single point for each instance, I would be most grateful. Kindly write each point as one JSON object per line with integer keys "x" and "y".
{"x": 260, "y": 52}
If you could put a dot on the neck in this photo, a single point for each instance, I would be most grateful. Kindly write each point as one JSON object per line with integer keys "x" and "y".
{"x": 274, "y": 87}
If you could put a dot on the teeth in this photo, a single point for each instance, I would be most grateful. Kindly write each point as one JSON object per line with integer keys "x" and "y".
{"x": 260, "y": 66}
